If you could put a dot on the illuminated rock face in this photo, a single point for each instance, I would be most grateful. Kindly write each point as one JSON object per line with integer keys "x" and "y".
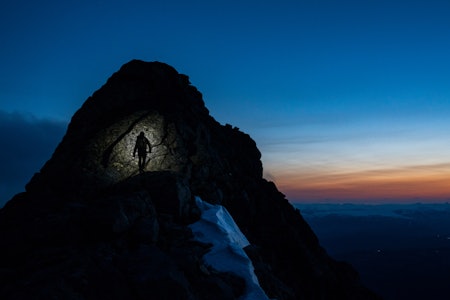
{"x": 111, "y": 155}
{"x": 91, "y": 226}
{"x": 142, "y": 97}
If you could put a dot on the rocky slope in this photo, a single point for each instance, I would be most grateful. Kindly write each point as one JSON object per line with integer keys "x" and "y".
{"x": 90, "y": 226}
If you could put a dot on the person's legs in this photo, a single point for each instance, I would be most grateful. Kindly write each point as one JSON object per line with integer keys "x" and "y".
{"x": 142, "y": 158}
{"x": 140, "y": 162}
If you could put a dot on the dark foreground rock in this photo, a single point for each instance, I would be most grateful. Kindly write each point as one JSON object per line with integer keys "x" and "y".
{"x": 91, "y": 226}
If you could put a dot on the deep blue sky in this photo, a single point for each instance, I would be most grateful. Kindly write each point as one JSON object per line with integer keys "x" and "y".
{"x": 332, "y": 91}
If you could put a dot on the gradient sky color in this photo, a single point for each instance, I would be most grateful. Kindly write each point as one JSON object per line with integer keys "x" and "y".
{"x": 347, "y": 100}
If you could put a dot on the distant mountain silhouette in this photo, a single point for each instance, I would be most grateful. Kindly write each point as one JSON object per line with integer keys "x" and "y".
{"x": 91, "y": 226}
{"x": 401, "y": 250}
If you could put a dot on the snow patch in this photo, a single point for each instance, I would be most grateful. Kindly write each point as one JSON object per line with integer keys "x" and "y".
{"x": 217, "y": 227}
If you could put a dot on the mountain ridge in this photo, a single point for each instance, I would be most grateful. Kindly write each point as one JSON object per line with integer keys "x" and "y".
{"x": 89, "y": 212}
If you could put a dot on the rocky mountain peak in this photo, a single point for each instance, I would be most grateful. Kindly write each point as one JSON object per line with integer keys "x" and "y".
{"x": 154, "y": 99}
{"x": 92, "y": 224}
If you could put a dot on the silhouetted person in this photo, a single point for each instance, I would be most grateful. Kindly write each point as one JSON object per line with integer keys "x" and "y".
{"x": 141, "y": 148}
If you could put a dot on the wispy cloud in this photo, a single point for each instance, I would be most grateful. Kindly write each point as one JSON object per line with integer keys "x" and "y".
{"x": 424, "y": 181}
{"x": 27, "y": 143}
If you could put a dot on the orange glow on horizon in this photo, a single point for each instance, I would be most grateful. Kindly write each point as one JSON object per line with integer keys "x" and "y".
{"x": 395, "y": 185}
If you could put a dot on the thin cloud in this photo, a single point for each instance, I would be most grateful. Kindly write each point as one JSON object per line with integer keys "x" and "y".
{"x": 424, "y": 181}
{"x": 27, "y": 143}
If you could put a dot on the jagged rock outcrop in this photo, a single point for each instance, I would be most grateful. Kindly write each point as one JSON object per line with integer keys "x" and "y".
{"x": 91, "y": 226}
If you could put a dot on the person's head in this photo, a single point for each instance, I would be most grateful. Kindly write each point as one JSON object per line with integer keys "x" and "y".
{"x": 141, "y": 134}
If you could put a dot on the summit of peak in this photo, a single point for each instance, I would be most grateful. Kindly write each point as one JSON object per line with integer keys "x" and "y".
{"x": 100, "y": 215}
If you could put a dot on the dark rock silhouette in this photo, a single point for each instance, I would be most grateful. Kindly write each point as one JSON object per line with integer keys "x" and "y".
{"x": 89, "y": 226}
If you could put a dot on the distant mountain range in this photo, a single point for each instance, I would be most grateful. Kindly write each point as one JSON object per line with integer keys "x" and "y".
{"x": 402, "y": 251}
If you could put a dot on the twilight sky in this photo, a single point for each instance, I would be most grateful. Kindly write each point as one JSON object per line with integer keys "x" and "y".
{"x": 348, "y": 101}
